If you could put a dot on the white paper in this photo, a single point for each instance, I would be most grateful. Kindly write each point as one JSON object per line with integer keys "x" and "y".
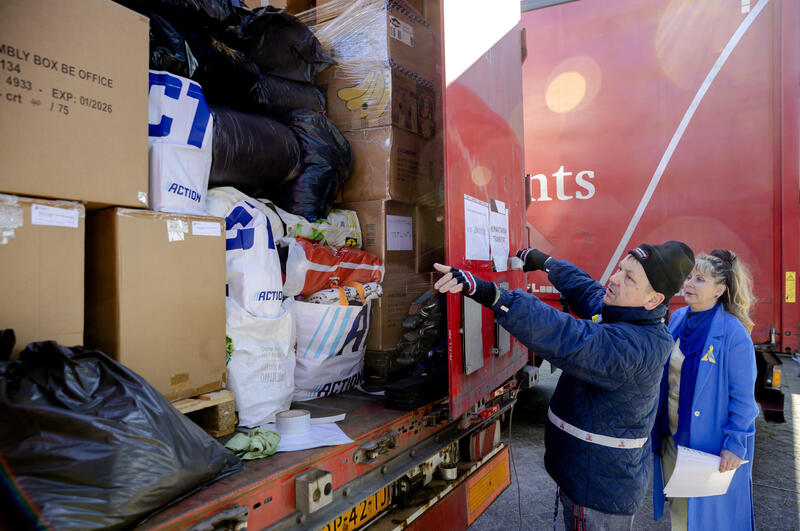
{"x": 206, "y": 228}
{"x": 498, "y": 228}
{"x": 319, "y": 435}
{"x": 476, "y": 229}
{"x": 697, "y": 474}
{"x": 399, "y": 233}
{"x": 54, "y": 217}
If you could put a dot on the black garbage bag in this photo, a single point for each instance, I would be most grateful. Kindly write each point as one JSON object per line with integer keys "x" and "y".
{"x": 7, "y": 341}
{"x": 168, "y": 46}
{"x": 89, "y": 444}
{"x": 279, "y": 44}
{"x": 326, "y": 165}
{"x": 252, "y": 153}
{"x": 277, "y": 96}
{"x": 209, "y": 14}
{"x": 227, "y": 76}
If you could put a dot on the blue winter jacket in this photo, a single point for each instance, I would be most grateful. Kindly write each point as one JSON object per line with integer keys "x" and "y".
{"x": 609, "y": 384}
{"x": 723, "y": 417}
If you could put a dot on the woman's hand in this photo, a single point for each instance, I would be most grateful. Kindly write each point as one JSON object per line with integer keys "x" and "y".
{"x": 728, "y": 461}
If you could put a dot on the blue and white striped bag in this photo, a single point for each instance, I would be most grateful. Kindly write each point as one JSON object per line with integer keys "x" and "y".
{"x": 331, "y": 341}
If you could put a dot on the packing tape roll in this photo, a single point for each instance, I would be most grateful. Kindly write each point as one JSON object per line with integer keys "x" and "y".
{"x": 293, "y": 421}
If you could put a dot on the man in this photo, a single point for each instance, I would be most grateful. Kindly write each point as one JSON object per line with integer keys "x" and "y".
{"x": 612, "y": 359}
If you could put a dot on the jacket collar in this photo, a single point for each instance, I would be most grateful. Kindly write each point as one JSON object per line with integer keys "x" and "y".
{"x": 636, "y": 315}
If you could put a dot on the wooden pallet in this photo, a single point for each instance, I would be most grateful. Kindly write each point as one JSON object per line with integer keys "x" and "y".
{"x": 214, "y": 412}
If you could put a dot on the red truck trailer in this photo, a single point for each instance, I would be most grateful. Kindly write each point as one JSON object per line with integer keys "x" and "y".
{"x": 643, "y": 121}
{"x": 442, "y": 464}
{"x": 648, "y": 121}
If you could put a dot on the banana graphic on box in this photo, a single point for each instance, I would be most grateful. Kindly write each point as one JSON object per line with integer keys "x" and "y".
{"x": 370, "y": 97}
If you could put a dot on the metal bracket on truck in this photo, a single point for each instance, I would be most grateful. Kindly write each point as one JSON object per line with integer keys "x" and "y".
{"x": 399, "y": 476}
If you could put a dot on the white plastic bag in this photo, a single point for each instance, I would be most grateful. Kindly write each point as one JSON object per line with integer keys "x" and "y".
{"x": 252, "y": 266}
{"x": 331, "y": 341}
{"x": 261, "y": 368}
{"x": 220, "y": 201}
{"x": 180, "y": 135}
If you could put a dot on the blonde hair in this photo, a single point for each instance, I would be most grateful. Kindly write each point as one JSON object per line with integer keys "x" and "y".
{"x": 726, "y": 268}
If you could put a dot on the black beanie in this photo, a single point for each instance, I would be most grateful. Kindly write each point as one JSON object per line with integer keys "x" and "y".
{"x": 666, "y": 265}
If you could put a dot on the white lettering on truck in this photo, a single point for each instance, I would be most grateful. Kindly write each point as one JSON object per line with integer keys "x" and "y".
{"x": 586, "y": 191}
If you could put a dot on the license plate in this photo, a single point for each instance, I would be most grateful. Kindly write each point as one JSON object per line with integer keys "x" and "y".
{"x": 361, "y": 513}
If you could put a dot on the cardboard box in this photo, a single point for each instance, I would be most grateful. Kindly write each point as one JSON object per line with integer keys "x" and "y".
{"x": 388, "y": 312}
{"x": 41, "y": 257}
{"x": 74, "y": 105}
{"x": 387, "y": 230}
{"x": 428, "y": 238}
{"x": 155, "y": 296}
{"x": 419, "y": 5}
{"x": 393, "y": 99}
{"x": 390, "y": 163}
{"x": 385, "y": 66}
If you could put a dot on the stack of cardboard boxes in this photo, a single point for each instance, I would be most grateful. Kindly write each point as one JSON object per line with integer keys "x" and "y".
{"x": 89, "y": 264}
{"x": 385, "y": 95}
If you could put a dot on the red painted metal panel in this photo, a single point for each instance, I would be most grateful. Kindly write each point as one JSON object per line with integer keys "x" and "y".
{"x": 452, "y": 512}
{"x": 483, "y": 159}
{"x": 626, "y": 92}
{"x": 788, "y": 18}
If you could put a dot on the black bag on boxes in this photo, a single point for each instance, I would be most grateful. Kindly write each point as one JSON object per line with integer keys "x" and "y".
{"x": 326, "y": 165}
{"x": 278, "y": 43}
{"x": 226, "y": 75}
{"x": 87, "y": 443}
{"x": 200, "y": 40}
{"x": 213, "y": 14}
{"x": 252, "y": 153}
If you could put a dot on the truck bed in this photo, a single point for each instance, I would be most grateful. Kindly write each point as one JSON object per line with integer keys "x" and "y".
{"x": 266, "y": 486}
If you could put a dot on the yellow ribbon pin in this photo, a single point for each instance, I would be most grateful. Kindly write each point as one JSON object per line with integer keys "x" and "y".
{"x": 709, "y": 355}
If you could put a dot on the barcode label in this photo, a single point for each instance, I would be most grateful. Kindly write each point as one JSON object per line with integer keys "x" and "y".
{"x": 401, "y": 31}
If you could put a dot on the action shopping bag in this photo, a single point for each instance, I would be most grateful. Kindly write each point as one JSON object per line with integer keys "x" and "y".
{"x": 331, "y": 340}
{"x": 180, "y": 136}
{"x": 252, "y": 265}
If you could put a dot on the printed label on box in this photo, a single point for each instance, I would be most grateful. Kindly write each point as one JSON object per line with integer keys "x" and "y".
{"x": 399, "y": 233}
{"x": 206, "y": 228}
{"x": 401, "y": 31}
{"x": 54, "y": 217}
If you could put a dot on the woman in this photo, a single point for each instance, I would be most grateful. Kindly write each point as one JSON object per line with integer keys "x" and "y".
{"x": 707, "y": 400}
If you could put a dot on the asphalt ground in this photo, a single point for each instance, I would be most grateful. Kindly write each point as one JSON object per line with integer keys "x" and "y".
{"x": 776, "y": 467}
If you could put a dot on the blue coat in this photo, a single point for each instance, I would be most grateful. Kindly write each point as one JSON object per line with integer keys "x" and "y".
{"x": 609, "y": 385}
{"x": 723, "y": 417}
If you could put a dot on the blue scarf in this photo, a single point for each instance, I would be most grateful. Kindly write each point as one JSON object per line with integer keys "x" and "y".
{"x": 692, "y": 333}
